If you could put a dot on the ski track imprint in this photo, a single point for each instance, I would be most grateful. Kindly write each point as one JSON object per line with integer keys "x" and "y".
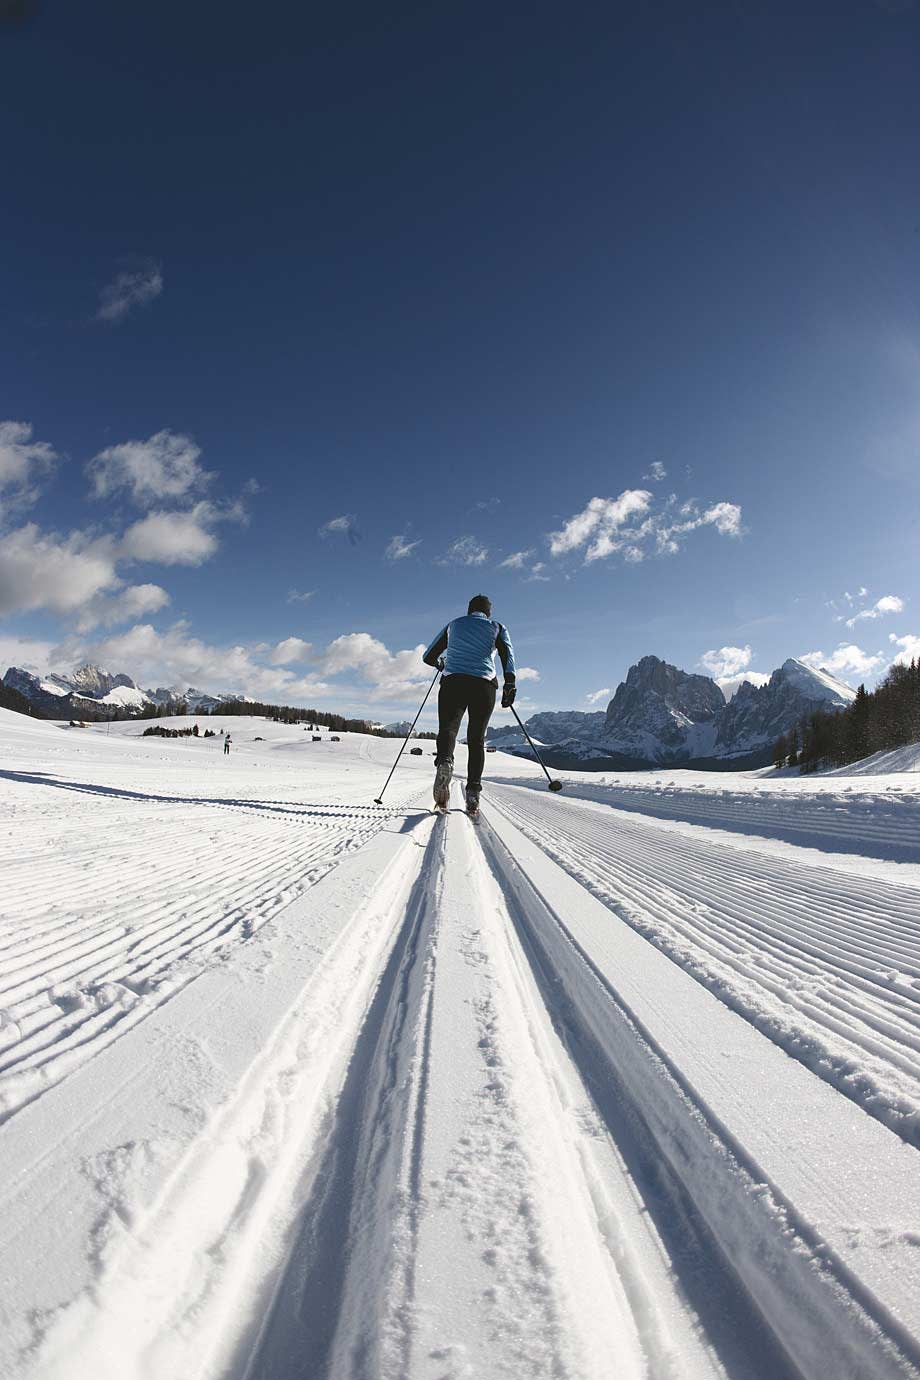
{"x": 824, "y": 962}
{"x": 136, "y": 897}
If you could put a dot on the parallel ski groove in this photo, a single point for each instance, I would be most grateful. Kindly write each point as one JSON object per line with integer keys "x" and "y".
{"x": 765, "y": 937}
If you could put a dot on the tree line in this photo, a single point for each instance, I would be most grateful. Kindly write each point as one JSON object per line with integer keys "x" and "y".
{"x": 278, "y": 714}
{"x": 877, "y": 721}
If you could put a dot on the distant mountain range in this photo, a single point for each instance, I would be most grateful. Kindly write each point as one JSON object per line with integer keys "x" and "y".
{"x": 92, "y": 693}
{"x": 659, "y": 716}
{"x": 662, "y": 716}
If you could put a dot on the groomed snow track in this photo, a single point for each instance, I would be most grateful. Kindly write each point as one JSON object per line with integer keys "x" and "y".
{"x": 497, "y": 1132}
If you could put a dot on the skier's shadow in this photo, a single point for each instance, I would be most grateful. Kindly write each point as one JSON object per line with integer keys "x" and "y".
{"x": 334, "y": 810}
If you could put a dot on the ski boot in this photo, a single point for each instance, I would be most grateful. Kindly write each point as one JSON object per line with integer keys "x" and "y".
{"x": 442, "y": 776}
{"x": 472, "y": 801}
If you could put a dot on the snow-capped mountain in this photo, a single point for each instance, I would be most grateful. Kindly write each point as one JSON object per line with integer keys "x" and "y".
{"x": 757, "y": 714}
{"x": 91, "y": 692}
{"x": 662, "y": 715}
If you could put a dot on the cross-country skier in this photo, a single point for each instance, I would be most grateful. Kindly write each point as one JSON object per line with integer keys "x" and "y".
{"x": 464, "y": 651}
{"x": 226, "y": 744}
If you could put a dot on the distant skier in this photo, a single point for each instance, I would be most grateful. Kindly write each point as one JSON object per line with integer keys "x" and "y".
{"x": 226, "y": 744}
{"x": 465, "y": 650}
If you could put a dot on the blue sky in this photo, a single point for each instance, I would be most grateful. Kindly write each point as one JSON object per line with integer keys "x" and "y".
{"x": 609, "y": 311}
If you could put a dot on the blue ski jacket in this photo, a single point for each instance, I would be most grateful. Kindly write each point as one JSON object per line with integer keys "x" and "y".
{"x": 468, "y": 646}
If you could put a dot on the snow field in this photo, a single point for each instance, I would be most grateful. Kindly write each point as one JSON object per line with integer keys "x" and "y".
{"x": 300, "y": 1087}
{"x": 143, "y": 886}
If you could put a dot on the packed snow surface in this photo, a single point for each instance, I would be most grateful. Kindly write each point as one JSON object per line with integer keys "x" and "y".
{"x": 623, "y": 1082}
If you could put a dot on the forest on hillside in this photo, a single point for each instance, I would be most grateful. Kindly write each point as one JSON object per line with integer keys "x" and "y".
{"x": 877, "y": 721}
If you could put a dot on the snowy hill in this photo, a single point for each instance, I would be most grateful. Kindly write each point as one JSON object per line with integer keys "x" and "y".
{"x": 661, "y": 714}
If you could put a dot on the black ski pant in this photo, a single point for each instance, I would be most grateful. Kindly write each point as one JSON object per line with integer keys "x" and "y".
{"x": 457, "y": 696}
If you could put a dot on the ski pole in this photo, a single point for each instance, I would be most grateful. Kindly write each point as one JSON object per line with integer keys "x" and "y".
{"x": 378, "y": 799}
{"x": 553, "y": 785}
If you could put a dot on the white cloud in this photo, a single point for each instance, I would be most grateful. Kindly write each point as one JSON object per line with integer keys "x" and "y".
{"x": 465, "y": 551}
{"x": 656, "y": 472}
{"x": 23, "y": 463}
{"x": 31, "y": 653}
{"x": 610, "y": 526}
{"x": 486, "y": 505}
{"x": 889, "y": 603}
{"x": 128, "y": 290}
{"x": 390, "y": 675}
{"x": 399, "y": 548}
{"x": 135, "y": 601}
{"x": 726, "y": 518}
{"x": 174, "y": 657}
{"x": 516, "y": 561}
{"x": 595, "y": 696}
{"x": 536, "y": 572}
{"x": 346, "y": 525}
{"x": 297, "y": 596}
{"x": 292, "y": 649}
{"x": 601, "y": 519}
{"x": 165, "y": 466}
{"x": 178, "y": 538}
{"x": 846, "y": 660}
{"x": 729, "y": 685}
{"x": 727, "y": 661}
{"x": 909, "y": 648}
{"x": 41, "y": 570}
{"x": 526, "y": 673}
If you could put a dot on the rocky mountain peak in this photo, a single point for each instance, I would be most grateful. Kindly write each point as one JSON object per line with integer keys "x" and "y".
{"x": 659, "y": 698}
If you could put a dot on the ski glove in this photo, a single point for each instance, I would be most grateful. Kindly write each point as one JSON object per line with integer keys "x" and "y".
{"x": 508, "y": 693}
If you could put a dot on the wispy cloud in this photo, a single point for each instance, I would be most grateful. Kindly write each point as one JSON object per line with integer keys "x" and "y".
{"x": 537, "y": 573}
{"x": 526, "y": 673}
{"x": 656, "y": 472}
{"x": 598, "y": 523}
{"x": 629, "y": 526}
{"x": 596, "y": 696}
{"x": 465, "y": 551}
{"x": 486, "y": 505}
{"x": 516, "y": 561}
{"x": 298, "y": 596}
{"x": 399, "y": 548}
{"x": 346, "y": 525}
{"x": 889, "y": 603}
{"x": 129, "y": 289}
